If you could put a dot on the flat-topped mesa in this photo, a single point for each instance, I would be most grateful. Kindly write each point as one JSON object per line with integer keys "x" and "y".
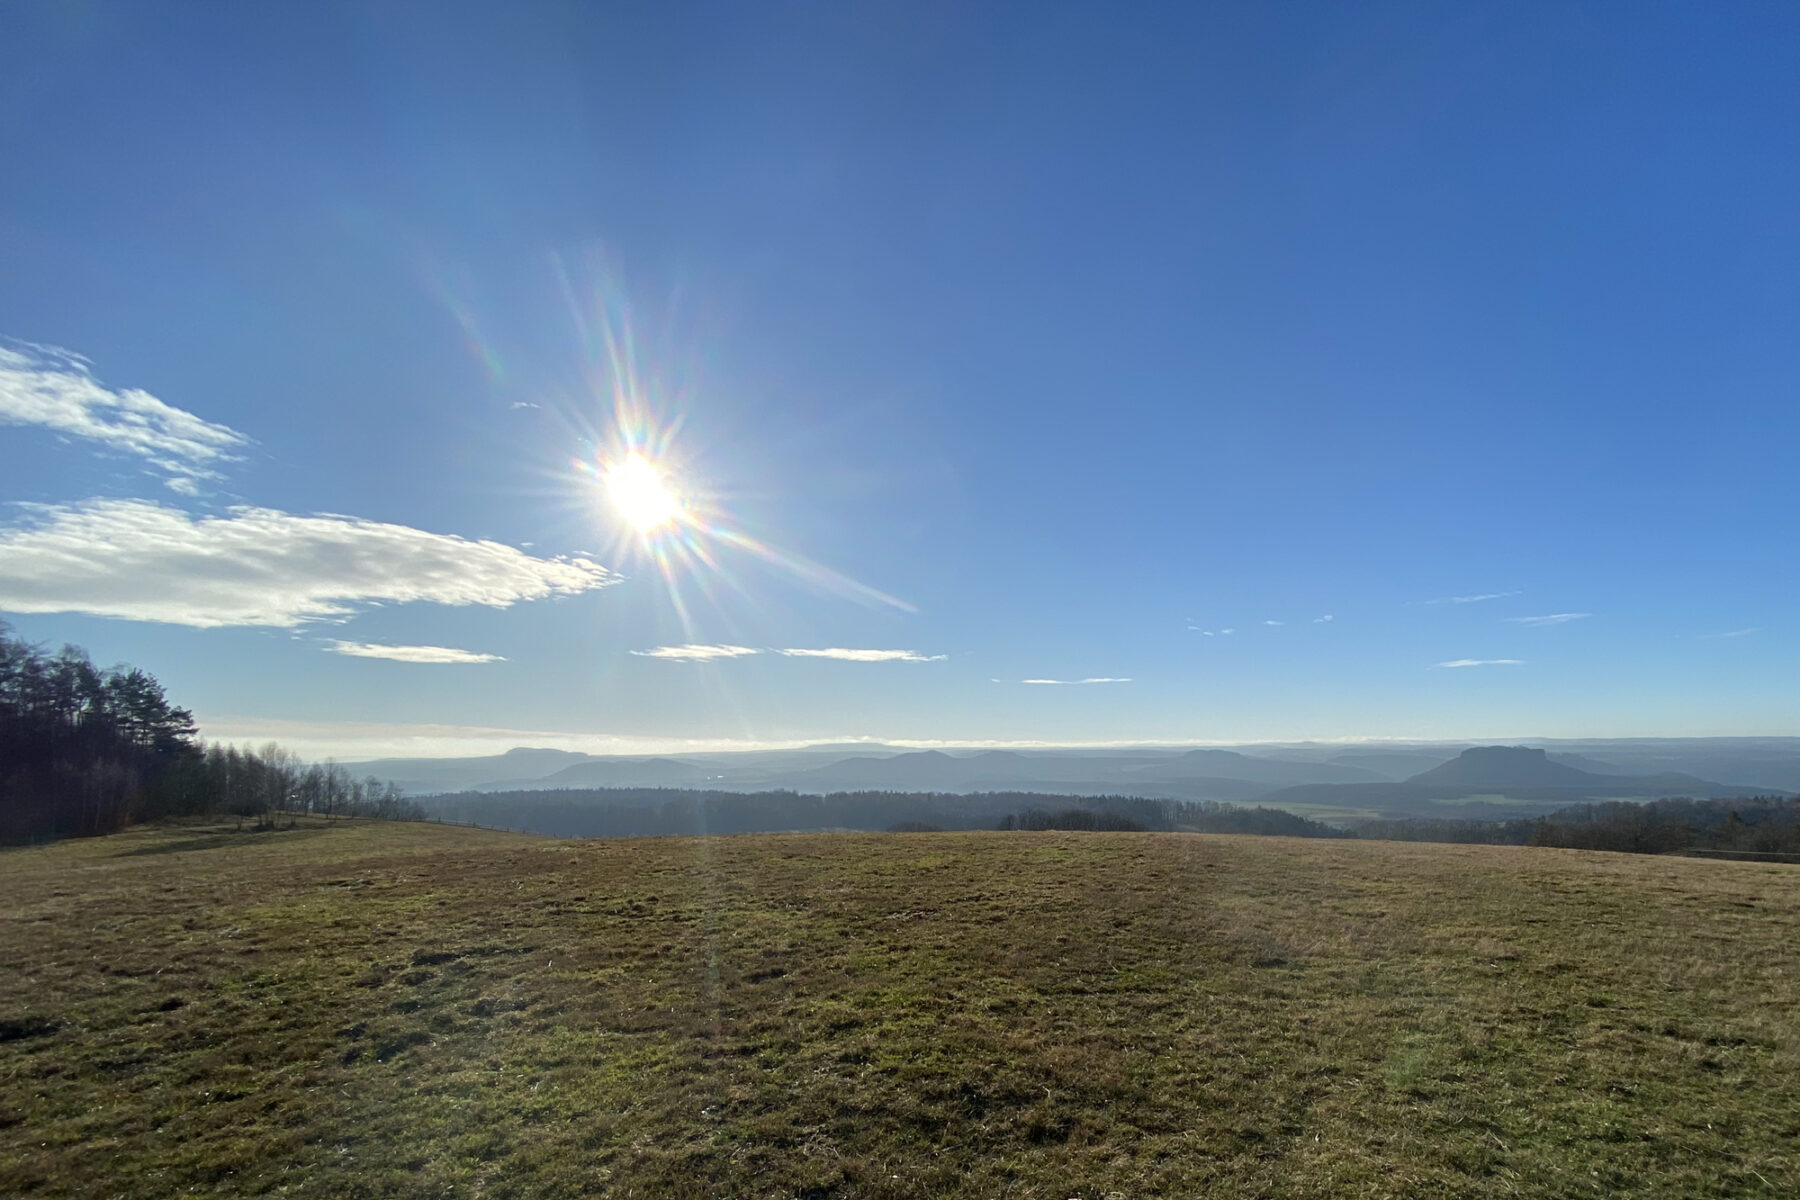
{"x": 1506, "y": 766}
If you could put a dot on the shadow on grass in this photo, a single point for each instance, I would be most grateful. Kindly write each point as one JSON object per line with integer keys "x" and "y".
{"x": 221, "y": 839}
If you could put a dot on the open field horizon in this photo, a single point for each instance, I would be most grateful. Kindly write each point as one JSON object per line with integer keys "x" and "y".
{"x": 1126, "y": 600}
{"x": 408, "y": 1010}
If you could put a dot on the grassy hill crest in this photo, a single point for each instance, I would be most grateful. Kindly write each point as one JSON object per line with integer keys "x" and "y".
{"x": 415, "y": 1010}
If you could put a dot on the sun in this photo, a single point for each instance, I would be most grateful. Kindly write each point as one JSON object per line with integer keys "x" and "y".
{"x": 642, "y": 494}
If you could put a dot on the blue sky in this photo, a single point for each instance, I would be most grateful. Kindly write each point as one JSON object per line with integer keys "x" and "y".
{"x": 1037, "y": 342}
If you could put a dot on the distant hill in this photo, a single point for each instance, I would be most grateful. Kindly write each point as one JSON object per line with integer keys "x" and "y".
{"x": 1582, "y": 762}
{"x": 1229, "y": 764}
{"x": 929, "y": 770}
{"x": 1510, "y": 769}
{"x": 1210, "y": 775}
{"x": 988, "y": 770}
{"x": 1641, "y": 767}
{"x": 1268, "y": 770}
{"x": 1767, "y": 764}
{"x": 618, "y": 772}
{"x": 1394, "y": 765}
{"x": 1501, "y": 781}
{"x": 424, "y": 775}
{"x": 1501, "y": 767}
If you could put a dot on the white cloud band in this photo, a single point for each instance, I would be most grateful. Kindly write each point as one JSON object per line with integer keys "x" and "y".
{"x": 693, "y": 653}
{"x": 54, "y": 389}
{"x": 865, "y": 655}
{"x": 410, "y": 654}
{"x": 702, "y": 653}
{"x": 142, "y": 561}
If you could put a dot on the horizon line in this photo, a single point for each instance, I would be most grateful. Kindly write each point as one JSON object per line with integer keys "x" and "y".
{"x": 361, "y": 742}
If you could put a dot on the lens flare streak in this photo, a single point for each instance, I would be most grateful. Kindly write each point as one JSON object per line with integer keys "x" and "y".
{"x": 655, "y": 496}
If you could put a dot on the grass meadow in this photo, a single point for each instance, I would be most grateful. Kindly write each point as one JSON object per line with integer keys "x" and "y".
{"x": 428, "y": 1011}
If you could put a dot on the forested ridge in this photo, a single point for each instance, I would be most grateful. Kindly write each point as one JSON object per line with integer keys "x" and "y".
{"x": 1745, "y": 825}
{"x": 87, "y": 751}
{"x": 653, "y": 812}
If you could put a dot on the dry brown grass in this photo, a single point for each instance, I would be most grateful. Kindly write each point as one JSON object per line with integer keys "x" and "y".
{"x": 392, "y": 1010}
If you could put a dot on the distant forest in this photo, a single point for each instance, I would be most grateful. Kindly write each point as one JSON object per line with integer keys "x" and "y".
{"x": 86, "y": 751}
{"x": 657, "y": 812}
{"x": 1748, "y": 827}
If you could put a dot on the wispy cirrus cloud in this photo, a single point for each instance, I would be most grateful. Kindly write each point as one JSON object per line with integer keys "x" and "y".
{"x": 1549, "y": 619}
{"x": 1733, "y": 633}
{"x": 696, "y": 653}
{"x": 1477, "y": 598}
{"x": 844, "y": 655}
{"x": 1324, "y": 620}
{"x": 712, "y": 653}
{"x": 55, "y": 389}
{"x": 1274, "y": 624}
{"x": 1481, "y": 662}
{"x": 410, "y": 654}
{"x": 142, "y": 561}
{"x": 1071, "y": 682}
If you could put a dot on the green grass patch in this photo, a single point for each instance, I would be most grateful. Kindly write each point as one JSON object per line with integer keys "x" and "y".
{"x": 415, "y": 1010}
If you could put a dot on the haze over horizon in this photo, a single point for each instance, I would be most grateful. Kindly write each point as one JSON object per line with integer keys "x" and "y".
{"x": 433, "y": 382}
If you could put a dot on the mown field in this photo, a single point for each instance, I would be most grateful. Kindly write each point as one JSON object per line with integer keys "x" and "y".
{"x": 414, "y": 1010}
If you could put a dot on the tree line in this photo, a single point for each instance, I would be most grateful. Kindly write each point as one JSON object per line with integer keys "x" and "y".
{"x": 1125, "y": 814}
{"x": 1749, "y": 826}
{"x": 658, "y": 812}
{"x": 87, "y": 751}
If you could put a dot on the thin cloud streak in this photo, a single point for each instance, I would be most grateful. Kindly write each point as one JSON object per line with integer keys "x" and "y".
{"x": 1478, "y": 598}
{"x": 844, "y": 655}
{"x": 1072, "y": 682}
{"x": 410, "y": 654}
{"x": 55, "y": 389}
{"x": 1548, "y": 619}
{"x": 696, "y": 653}
{"x": 1734, "y": 633}
{"x": 142, "y": 561}
{"x": 1482, "y": 662}
{"x": 713, "y": 653}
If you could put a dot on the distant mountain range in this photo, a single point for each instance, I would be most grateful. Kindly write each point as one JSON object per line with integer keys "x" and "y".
{"x": 1510, "y": 780}
{"x": 1411, "y": 779}
{"x": 424, "y": 776}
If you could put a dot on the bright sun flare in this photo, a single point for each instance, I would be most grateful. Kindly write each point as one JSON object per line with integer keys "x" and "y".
{"x": 643, "y": 497}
